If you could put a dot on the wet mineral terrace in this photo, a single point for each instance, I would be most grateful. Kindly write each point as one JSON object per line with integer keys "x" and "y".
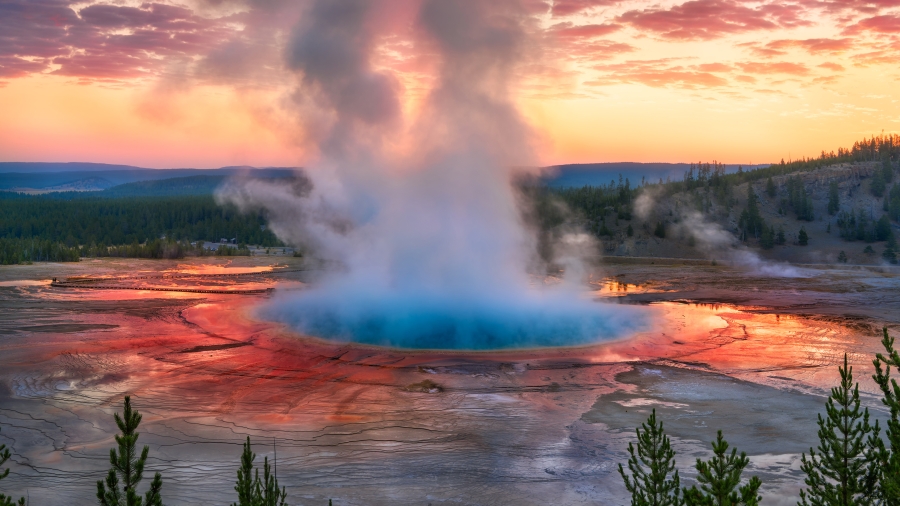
{"x": 728, "y": 350}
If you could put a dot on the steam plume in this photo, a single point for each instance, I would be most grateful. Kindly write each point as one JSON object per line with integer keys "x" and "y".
{"x": 431, "y": 243}
{"x": 717, "y": 243}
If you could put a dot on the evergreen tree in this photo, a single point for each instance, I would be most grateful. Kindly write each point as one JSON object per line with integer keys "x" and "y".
{"x": 767, "y": 238}
{"x": 887, "y": 169}
{"x": 802, "y": 237}
{"x": 770, "y": 187}
{"x": 834, "y": 203}
{"x": 842, "y": 257}
{"x": 844, "y": 470}
{"x": 779, "y": 238}
{"x": 750, "y": 221}
{"x": 720, "y": 480}
{"x": 882, "y": 228}
{"x": 251, "y": 490}
{"x": 660, "y": 230}
{"x": 878, "y": 184}
{"x": 245, "y": 486}
{"x": 649, "y": 483}
{"x": 888, "y": 455}
{"x": 127, "y": 467}
{"x": 6, "y": 500}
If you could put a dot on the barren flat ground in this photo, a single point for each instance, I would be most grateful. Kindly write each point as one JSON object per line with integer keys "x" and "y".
{"x": 726, "y": 349}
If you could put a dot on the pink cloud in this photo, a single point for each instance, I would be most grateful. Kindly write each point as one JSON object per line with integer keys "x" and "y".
{"x": 831, "y": 66}
{"x": 582, "y": 42}
{"x": 657, "y": 74}
{"x": 584, "y": 31}
{"x": 844, "y": 7}
{"x": 711, "y": 19}
{"x": 796, "y": 69}
{"x": 101, "y": 41}
{"x": 813, "y": 46}
{"x": 714, "y": 67}
{"x": 878, "y": 24}
{"x": 570, "y": 7}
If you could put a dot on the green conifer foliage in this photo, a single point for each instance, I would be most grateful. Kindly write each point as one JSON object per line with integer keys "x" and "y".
{"x": 750, "y": 221}
{"x": 720, "y": 480}
{"x": 802, "y": 237}
{"x": 767, "y": 238}
{"x": 245, "y": 485}
{"x": 888, "y": 454}
{"x": 6, "y": 500}
{"x": 878, "y": 184}
{"x": 128, "y": 467}
{"x": 660, "y": 230}
{"x": 843, "y": 471}
{"x": 779, "y": 238}
{"x": 253, "y": 491}
{"x": 834, "y": 201}
{"x": 770, "y": 187}
{"x": 649, "y": 483}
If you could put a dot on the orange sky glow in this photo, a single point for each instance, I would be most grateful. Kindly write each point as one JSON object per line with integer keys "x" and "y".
{"x": 205, "y": 83}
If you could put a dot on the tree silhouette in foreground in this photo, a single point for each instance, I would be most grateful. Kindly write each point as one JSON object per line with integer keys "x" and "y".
{"x": 720, "y": 480}
{"x": 889, "y": 454}
{"x": 649, "y": 483}
{"x": 251, "y": 490}
{"x": 6, "y": 500}
{"x": 843, "y": 472}
{"x": 127, "y": 467}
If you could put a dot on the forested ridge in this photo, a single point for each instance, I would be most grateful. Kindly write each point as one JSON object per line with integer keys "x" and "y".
{"x": 786, "y": 186}
{"x": 38, "y": 228}
{"x": 63, "y": 226}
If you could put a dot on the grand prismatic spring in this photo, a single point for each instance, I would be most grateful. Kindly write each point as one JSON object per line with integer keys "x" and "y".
{"x": 366, "y": 424}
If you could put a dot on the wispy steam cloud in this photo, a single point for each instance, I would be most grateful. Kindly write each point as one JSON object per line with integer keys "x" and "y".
{"x": 716, "y": 243}
{"x": 431, "y": 243}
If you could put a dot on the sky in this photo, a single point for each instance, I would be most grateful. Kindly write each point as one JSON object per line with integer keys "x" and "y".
{"x": 209, "y": 83}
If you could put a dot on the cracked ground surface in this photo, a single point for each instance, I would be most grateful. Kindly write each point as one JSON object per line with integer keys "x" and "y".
{"x": 750, "y": 355}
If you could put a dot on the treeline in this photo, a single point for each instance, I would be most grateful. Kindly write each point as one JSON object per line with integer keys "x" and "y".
{"x": 593, "y": 204}
{"x": 20, "y": 251}
{"x": 853, "y": 463}
{"x": 93, "y": 222}
{"x": 881, "y": 147}
{"x": 708, "y": 184}
{"x": 23, "y": 251}
{"x": 163, "y": 248}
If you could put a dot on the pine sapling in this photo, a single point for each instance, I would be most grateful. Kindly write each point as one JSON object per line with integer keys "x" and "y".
{"x": 843, "y": 471}
{"x": 888, "y": 455}
{"x": 253, "y": 491}
{"x": 650, "y": 483}
{"x": 720, "y": 480}
{"x": 6, "y": 500}
{"x": 128, "y": 467}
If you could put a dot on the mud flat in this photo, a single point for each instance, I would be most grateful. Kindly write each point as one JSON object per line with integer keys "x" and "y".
{"x": 727, "y": 349}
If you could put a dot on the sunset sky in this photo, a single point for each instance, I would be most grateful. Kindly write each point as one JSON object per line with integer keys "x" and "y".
{"x": 208, "y": 83}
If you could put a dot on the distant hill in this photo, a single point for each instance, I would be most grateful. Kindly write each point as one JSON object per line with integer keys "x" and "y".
{"x": 577, "y": 175}
{"x": 47, "y": 177}
{"x": 32, "y": 167}
{"x": 176, "y": 186}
